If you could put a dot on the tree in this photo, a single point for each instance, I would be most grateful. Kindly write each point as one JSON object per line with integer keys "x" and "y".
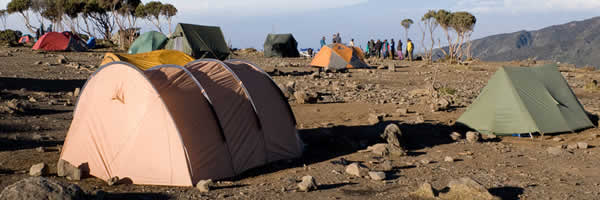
{"x": 463, "y": 23}
{"x": 431, "y": 24}
{"x": 97, "y": 13}
{"x": 128, "y": 19}
{"x": 72, "y": 9}
{"x": 3, "y": 16}
{"x": 22, "y": 7}
{"x": 169, "y": 10}
{"x": 406, "y": 24}
{"x": 443, "y": 18}
{"x": 153, "y": 12}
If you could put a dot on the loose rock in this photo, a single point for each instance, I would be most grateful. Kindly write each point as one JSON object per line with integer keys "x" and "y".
{"x": 449, "y": 159}
{"x": 36, "y": 188}
{"x": 455, "y": 136}
{"x": 303, "y": 97}
{"x": 467, "y": 188}
{"x": 377, "y": 176}
{"x": 64, "y": 168}
{"x": 356, "y": 169}
{"x": 204, "y": 185}
{"x": 582, "y": 145}
{"x": 473, "y": 137}
{"x": 39, "y": 169}
{"x": 308, "y": 183}
{"x": 424, "y": 192}
{"x": 379, "y": 149}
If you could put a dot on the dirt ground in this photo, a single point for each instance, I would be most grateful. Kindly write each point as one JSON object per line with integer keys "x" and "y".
{"x": 334, "y": 129}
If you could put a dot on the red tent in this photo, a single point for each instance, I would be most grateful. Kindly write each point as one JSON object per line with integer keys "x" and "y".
{"x": 26, "y": 39}
{"x": 55, "y": 41}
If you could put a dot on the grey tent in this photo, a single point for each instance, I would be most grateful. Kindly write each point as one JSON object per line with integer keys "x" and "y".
{"x": 526, "y": 100}
{"x": 281, "y": 45}
{"x": 199, "y": 41}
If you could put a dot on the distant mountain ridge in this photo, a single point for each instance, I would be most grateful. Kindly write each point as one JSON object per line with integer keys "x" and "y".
{"x": 576, "y": 42}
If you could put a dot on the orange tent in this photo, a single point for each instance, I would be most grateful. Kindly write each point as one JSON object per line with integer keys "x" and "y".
{"x": 174, "y": 125}
{"x": 338, "y": 56}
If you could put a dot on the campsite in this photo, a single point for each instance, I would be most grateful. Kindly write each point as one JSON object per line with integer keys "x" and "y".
{"x": 181, "y": 114}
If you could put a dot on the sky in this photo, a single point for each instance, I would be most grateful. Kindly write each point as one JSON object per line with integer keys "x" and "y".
{"x": 245, "y": 23}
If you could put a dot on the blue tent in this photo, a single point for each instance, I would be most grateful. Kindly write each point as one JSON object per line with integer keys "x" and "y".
{"x": 91, "y": 43}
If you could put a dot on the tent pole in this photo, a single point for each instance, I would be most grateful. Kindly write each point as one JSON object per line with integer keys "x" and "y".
{"x": 531, "y": 135}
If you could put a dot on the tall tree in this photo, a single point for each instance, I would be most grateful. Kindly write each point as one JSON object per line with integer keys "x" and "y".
{"x": 406, "y": 24}
{"x": 431, "y": 24}
{"x": 443, "y": 18}
{"x": 169, "y": 10}
{"x": 99, "y": 17}
{"x": 153, "y": 10}
{"x": 23, "y": 8}
{"x": 72, "y": 10}
{"x": 128, "y": 19}
{"x": 463, "y": 23}
{"x": 3, "y": 16}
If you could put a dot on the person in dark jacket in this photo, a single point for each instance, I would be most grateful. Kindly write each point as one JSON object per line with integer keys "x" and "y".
{"x": 378, "y": 46}
{"x": 392, "y": 49}
{"x": 370, "y": 47}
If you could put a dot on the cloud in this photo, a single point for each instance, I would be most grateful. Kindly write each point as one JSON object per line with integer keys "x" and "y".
{"x": 524, "y": 6}
{"x": 257, "y": 7}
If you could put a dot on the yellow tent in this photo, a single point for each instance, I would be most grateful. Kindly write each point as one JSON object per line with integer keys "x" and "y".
{"x": 147, "y": 60}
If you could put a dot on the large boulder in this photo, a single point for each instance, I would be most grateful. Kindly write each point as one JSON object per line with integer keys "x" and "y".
{"x": 467, "y": 188}
{"x": 41, "y": 188}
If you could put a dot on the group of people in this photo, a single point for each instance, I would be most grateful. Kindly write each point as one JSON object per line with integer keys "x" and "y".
{"x": 380, "y": 49}
{"x": 335, "y": 39}
{"x": 384, "y": 49}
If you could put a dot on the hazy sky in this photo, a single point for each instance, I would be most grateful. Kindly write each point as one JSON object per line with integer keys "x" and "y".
{"x": 245, "y": 23}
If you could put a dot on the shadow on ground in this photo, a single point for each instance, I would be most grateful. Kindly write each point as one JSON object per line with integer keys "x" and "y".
{"x": 322, "y": 144}
{"x": 40, "y": 85}
{"x": 506, "y": 192}
{"x": 131, "y": 196}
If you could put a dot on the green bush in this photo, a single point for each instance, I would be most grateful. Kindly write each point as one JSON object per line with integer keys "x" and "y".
{"x": 10, "y": 37}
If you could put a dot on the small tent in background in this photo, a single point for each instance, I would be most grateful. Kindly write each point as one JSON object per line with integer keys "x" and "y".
{"x": 526, "y": 100}
{"x": 174, "y": 125}
{"x": 55, "y": 41}
{"x": 338, "y": 56}
{"x": 91, "y": 43}
{"x": 281, "y": 45}
{"x": 26, "y": 39}
{"x": 149, "y": 59}
{"x": 149, "y": 41}
{"x": 199, "y": 41}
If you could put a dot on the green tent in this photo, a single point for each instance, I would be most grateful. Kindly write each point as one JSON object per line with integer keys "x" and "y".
{"x": 281, "y": 45}
{"x": 149, "y": 41}
{"x": 199, "y": 41}
{"x": 526, "y": 100}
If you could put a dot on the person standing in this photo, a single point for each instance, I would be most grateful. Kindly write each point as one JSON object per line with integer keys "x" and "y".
{"x": 378, "y": 48}
{"x": 400, "y": 57}
{"x": 409, "y": 49}
{"x": 392, "y": 49}
{"x": 386, "y": 46}
{"x": 323, "y": 43}
{"x": 334, "y": 39}
{"x": 352, "y": 42}
{"x": 339, "y": 38}
{"x": 370, "y": 48}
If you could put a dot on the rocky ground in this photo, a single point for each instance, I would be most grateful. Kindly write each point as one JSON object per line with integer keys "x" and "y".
{"x": 340, "y": 118}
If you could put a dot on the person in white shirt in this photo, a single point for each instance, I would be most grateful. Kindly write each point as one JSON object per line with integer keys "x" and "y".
{"x": 352, "y": 42}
